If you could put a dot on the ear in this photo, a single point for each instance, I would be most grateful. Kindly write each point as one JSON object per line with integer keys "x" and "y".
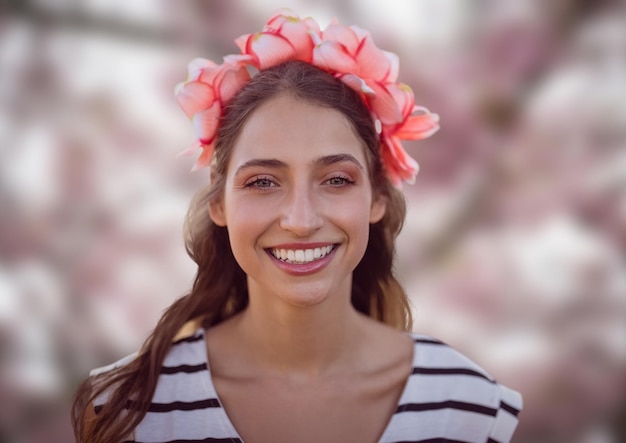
{"x": 216, "y": 212}
{"x": 378, "y": 208}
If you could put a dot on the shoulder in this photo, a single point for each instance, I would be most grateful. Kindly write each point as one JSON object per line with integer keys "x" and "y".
{"x": 448, "y": 390}
{"x": 433, "y": 356}
{"x": 115, "y": 365}
{"x": 184, "y": 405}
{"x": 185, "y": 355}
{"x": 190, "y": 332}
{"x": 177, "y": 350}
{"x": 437, "y": 359}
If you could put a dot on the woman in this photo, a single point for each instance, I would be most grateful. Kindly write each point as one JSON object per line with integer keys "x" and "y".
{"x": 296, "y": 329}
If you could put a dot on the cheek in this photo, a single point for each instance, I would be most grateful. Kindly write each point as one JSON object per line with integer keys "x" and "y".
{"x": 244, "y": 221}
{"x": 246, "y": 211}
{"x": 241, "y": 214}
{"x": 247, "y": 220}
{"x": 242, "y": 240}
{"x": 354, "y": 218}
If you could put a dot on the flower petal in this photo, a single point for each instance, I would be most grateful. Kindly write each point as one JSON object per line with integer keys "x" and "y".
{"x": 233, "y": 80}
{"x": 269, "y": 49}
{"x": 384, "y": 105}
{"x": 239, "y": 59}
{"x": 373, "y": 63}
{"x": 394, "y": 67}
{"x": 205, "y": 157}
{"x": 190, "y": 150}
{"x": 404, "y": 162}
{"x": 297, "y": 33}
{"x": 210, "y": 74}
{"x": 397, "y": 160}
{"x": 404, "y": 97}
{"x": 360, "y": 32}
{"x": 418, "y": 127}
{"x": 194, "y": 96}
{"x": 332, "y": 56}
{"x": 282, "y": 12}
{"x": 342, "y": 34}
{"x": 242, "y": 42}
{"x": 197, "y": 65}
{"x": 275, "y": 21}
{"x": 205, "y": 123}
{"x": 313, "y": 26}
{"x": 357, "y": 83}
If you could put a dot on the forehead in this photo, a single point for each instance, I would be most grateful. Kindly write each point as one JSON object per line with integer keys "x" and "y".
{"x": 286, "y": 127}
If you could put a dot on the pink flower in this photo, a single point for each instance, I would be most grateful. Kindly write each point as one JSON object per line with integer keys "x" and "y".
{"x": 202, "y": 97}
{"x": 400, "y": 166}
{"x": 351, "y": 50}
{"x": 410, "y": 127}
{"x": 285, "y": 36}
{"x": 351, "y": 54}
{"x": 346, "y": 52}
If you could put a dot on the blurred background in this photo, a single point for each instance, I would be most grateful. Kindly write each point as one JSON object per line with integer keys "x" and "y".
{"x": 514, "y": 249}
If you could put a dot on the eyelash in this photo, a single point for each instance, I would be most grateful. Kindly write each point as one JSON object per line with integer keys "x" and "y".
{"x": 344, "y": 181}
{"x": 263, "y": 183}
{"x": 255, "y": 183}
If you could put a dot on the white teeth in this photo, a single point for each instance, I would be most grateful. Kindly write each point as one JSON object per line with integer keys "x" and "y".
{"x": 308, "y": 255}
{"x": 300, "y": 256}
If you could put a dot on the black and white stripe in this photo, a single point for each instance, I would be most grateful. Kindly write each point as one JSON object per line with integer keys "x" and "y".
{"x": 447, "y": 398}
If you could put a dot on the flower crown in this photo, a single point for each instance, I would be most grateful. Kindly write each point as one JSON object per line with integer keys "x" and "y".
{"x": 346, "y": 52}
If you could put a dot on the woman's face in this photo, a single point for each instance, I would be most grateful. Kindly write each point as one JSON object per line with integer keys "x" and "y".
{"x": 298, "y": 203}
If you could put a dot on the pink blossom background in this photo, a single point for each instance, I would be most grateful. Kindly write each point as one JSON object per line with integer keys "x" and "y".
{"x": 514, "y": 250}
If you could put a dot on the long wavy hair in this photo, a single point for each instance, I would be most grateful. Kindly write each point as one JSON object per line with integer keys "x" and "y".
{"x": 220, "y": 289}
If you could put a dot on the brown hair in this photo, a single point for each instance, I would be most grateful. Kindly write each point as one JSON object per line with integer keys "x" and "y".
{"x": 220, "y": 288}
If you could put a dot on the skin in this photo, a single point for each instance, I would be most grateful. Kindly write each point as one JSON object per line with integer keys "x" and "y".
{"x": 300, "y": 363}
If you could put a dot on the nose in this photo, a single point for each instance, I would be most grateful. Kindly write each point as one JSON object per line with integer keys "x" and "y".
{"x": 300, "y": 213}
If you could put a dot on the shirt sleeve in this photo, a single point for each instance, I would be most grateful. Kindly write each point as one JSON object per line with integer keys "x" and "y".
{"x": 506, "y": 416}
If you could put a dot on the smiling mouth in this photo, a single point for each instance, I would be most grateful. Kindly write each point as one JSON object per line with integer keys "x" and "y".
{"x": 301, "y": 256}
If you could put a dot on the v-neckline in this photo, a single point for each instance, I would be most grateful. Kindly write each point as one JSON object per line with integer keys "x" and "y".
{"x": 231, "y": 427}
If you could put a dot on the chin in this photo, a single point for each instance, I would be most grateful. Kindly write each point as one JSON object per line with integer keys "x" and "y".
{"x": 306, "y": 298}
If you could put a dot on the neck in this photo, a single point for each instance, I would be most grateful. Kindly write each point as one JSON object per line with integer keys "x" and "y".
{"x": 309, "y": 341}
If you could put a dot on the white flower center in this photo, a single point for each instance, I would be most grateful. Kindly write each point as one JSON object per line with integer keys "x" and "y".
{"x": 301, "y": 256}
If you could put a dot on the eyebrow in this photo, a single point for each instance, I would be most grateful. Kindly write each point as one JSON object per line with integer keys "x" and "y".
{"x": 273, "y": 163}
{"x": 328, "y": 160}
{"x": 261, "y": 162}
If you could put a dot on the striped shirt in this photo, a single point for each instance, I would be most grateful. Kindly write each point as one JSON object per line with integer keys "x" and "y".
{"x": 447, "y": 398}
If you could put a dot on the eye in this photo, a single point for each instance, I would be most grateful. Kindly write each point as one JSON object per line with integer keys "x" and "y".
{"x": 260, "y": 183}
{"x": 339, "y": 181}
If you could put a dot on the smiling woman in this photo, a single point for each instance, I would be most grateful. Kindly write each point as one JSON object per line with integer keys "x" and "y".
{"x": 296, "y": 329}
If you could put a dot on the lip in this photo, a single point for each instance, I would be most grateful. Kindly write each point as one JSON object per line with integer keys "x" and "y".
{"x": 301, "y": 269}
